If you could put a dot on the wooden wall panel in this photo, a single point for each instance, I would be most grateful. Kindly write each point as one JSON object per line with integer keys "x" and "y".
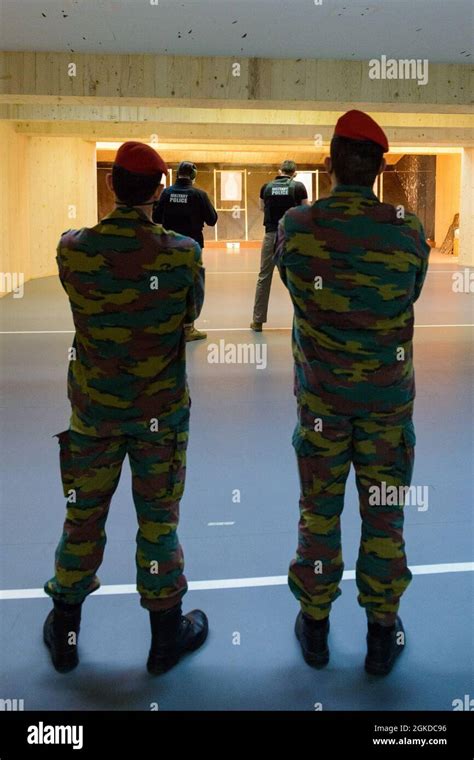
{"x": 188, "y": 78}
{"x": 41, "y": 178}
{"x": 61, "y": 175}
{"x": 466, "y": 212}
{"x": 448, "y": 190}
{"x": 14, "y": 205}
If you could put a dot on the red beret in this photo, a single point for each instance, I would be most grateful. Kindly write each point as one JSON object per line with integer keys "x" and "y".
{"x": 357, "y": 125}
{"x": 140, "y": 158}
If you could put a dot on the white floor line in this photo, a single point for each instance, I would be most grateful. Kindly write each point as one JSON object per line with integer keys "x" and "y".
{"x": 271, "y": 580}
{"x": 242, "y": 329}
{"x": 430, "y": 271}
{"x": 221, "y": 523}
{"x": 208, "y": 329}
{"x": 268, "y": 329}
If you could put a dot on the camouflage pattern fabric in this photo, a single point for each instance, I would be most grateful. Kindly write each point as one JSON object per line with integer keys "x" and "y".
{"x": 132, "y": 285}
{"x": 90, "y": 472}
{"x": 381, "y": 449}
{"x": 353, "y": 269}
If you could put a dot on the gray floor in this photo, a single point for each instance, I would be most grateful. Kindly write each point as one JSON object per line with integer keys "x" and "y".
{"x": 242, "y": 420}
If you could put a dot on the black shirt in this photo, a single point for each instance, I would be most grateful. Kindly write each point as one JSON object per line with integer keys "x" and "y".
{"x": 185, "y": 209}
{"x": 279, "y": 195}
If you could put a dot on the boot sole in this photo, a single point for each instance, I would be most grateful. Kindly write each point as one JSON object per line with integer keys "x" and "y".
{"x": 158, "y": 666}
{"x": 379, "y": 669}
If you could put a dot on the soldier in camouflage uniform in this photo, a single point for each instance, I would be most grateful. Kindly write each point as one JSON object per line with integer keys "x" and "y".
{"x": 354, "y": 268}
{"x": 131, "y": 286}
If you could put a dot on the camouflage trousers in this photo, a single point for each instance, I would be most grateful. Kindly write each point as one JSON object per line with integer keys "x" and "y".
{"x": 90, "y": 472}
{"x": 381, "y": 449}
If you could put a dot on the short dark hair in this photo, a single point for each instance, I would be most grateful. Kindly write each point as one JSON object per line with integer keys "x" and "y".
{"x": 131, "y": 188}
{"x": 187, "y": 169}
{"x": 355, "y": 162}
{"x": 288, "y": 167}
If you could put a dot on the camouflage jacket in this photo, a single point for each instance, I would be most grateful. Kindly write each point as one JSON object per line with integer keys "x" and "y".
{"x": 131, "y": 286}
{"x": 353, "y": 269}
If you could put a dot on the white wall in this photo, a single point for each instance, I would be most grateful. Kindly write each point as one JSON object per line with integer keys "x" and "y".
{"x": 466, "y": 214}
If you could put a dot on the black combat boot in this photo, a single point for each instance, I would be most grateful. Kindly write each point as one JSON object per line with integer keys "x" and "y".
{"x": 63, "y": 621}
{"x": 384, "y": 645}
{"x": 174, "y": 634}
{"x": 313, "y": 637}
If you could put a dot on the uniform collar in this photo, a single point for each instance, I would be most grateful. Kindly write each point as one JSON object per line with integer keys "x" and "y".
{"x": 363, "y": 190}
{"x": 125, "y": 212}
{"x": 183, "y": 181}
